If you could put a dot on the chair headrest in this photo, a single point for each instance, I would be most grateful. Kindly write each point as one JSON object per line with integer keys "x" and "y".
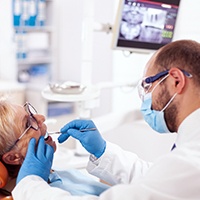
{"x": 3, "y": 175}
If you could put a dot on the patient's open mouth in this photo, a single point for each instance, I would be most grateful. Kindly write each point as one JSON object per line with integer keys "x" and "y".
{"x": 48, "y": 140}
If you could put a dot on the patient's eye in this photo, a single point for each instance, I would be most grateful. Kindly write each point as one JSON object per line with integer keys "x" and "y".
{"x": 28, "y": 123}
{"x": 31, "y": 122}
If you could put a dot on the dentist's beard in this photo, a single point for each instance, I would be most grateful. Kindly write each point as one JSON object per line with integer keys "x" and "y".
{"x": 171, "y": 112}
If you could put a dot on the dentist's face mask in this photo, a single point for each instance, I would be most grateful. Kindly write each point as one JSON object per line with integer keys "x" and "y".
{"x": 154, "y": 118}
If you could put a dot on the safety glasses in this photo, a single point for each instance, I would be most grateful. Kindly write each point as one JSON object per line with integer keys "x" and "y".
{"x": 146, "y": 83}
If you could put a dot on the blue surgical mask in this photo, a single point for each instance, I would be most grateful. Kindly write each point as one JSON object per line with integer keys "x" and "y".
{"x": 155, "y": 118}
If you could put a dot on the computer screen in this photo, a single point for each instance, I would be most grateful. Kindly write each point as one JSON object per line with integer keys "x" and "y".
{"x": 144, "y": 25}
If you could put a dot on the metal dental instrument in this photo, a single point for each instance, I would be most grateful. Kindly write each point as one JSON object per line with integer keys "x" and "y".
{"x": 81, "y": 130}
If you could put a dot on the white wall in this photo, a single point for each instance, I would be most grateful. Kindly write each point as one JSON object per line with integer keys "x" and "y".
{"x": 188, "y": 26}
{"x": 72, "y": 62}
{"x": 69, "y": 31}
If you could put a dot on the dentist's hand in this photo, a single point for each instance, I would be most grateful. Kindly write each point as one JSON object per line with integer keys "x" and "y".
{"x": 38, "y": 160}
{"x": 90, "y": 140}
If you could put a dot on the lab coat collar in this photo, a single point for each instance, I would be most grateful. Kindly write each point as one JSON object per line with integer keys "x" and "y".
{"x": 189, "y": 130}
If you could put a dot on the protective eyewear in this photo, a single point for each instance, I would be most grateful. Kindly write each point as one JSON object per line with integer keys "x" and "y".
{"x": 31, "y": 121}
{"x": 146, "y": 83}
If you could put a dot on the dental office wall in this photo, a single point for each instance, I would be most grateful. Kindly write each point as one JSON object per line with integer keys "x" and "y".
{"x": 89, "y": 57}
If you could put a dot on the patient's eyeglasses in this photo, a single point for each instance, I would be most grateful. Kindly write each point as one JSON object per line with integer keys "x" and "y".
{"x": 31, "y": 121}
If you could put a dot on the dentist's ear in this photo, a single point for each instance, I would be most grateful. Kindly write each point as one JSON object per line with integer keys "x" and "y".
{"x": 179, "y": 79}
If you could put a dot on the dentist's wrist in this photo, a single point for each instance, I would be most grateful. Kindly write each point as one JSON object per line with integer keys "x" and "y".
{"x": 93, "y": 158}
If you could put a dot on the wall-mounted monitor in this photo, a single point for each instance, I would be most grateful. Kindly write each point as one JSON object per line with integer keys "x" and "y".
{"x": 144, "y": 25}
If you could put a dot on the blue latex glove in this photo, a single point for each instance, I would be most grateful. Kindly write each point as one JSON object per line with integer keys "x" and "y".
{"x": 38, "y": 160}
{"x": 90, "y": 140}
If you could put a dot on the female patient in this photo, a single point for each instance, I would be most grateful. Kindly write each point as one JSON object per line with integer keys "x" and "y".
{"x": 18, "y": 124}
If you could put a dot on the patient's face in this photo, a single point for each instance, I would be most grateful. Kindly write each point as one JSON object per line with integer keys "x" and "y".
{"x": 21, "y": 119}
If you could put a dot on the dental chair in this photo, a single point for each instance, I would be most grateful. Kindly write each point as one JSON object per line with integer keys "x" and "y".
{"x": 4, "y": 195}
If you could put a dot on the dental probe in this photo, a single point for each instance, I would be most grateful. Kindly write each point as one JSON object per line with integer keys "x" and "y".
{"x": 81, "y": 130}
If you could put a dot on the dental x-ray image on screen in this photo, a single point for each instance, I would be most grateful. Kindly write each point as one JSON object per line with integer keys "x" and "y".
{"x": 144, "y": 25}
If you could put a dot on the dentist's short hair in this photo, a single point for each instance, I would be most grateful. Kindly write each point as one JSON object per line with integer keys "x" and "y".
{"x": 183, "y": 54}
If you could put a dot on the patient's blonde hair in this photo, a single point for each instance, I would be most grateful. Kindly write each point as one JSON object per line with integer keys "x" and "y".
{"x": 8, "y": 127}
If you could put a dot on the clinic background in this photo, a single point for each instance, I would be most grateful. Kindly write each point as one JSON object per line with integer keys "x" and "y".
{"x": 117, "y": 115}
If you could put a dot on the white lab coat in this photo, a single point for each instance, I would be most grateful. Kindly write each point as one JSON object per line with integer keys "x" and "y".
{"x": 174, "y": 176}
